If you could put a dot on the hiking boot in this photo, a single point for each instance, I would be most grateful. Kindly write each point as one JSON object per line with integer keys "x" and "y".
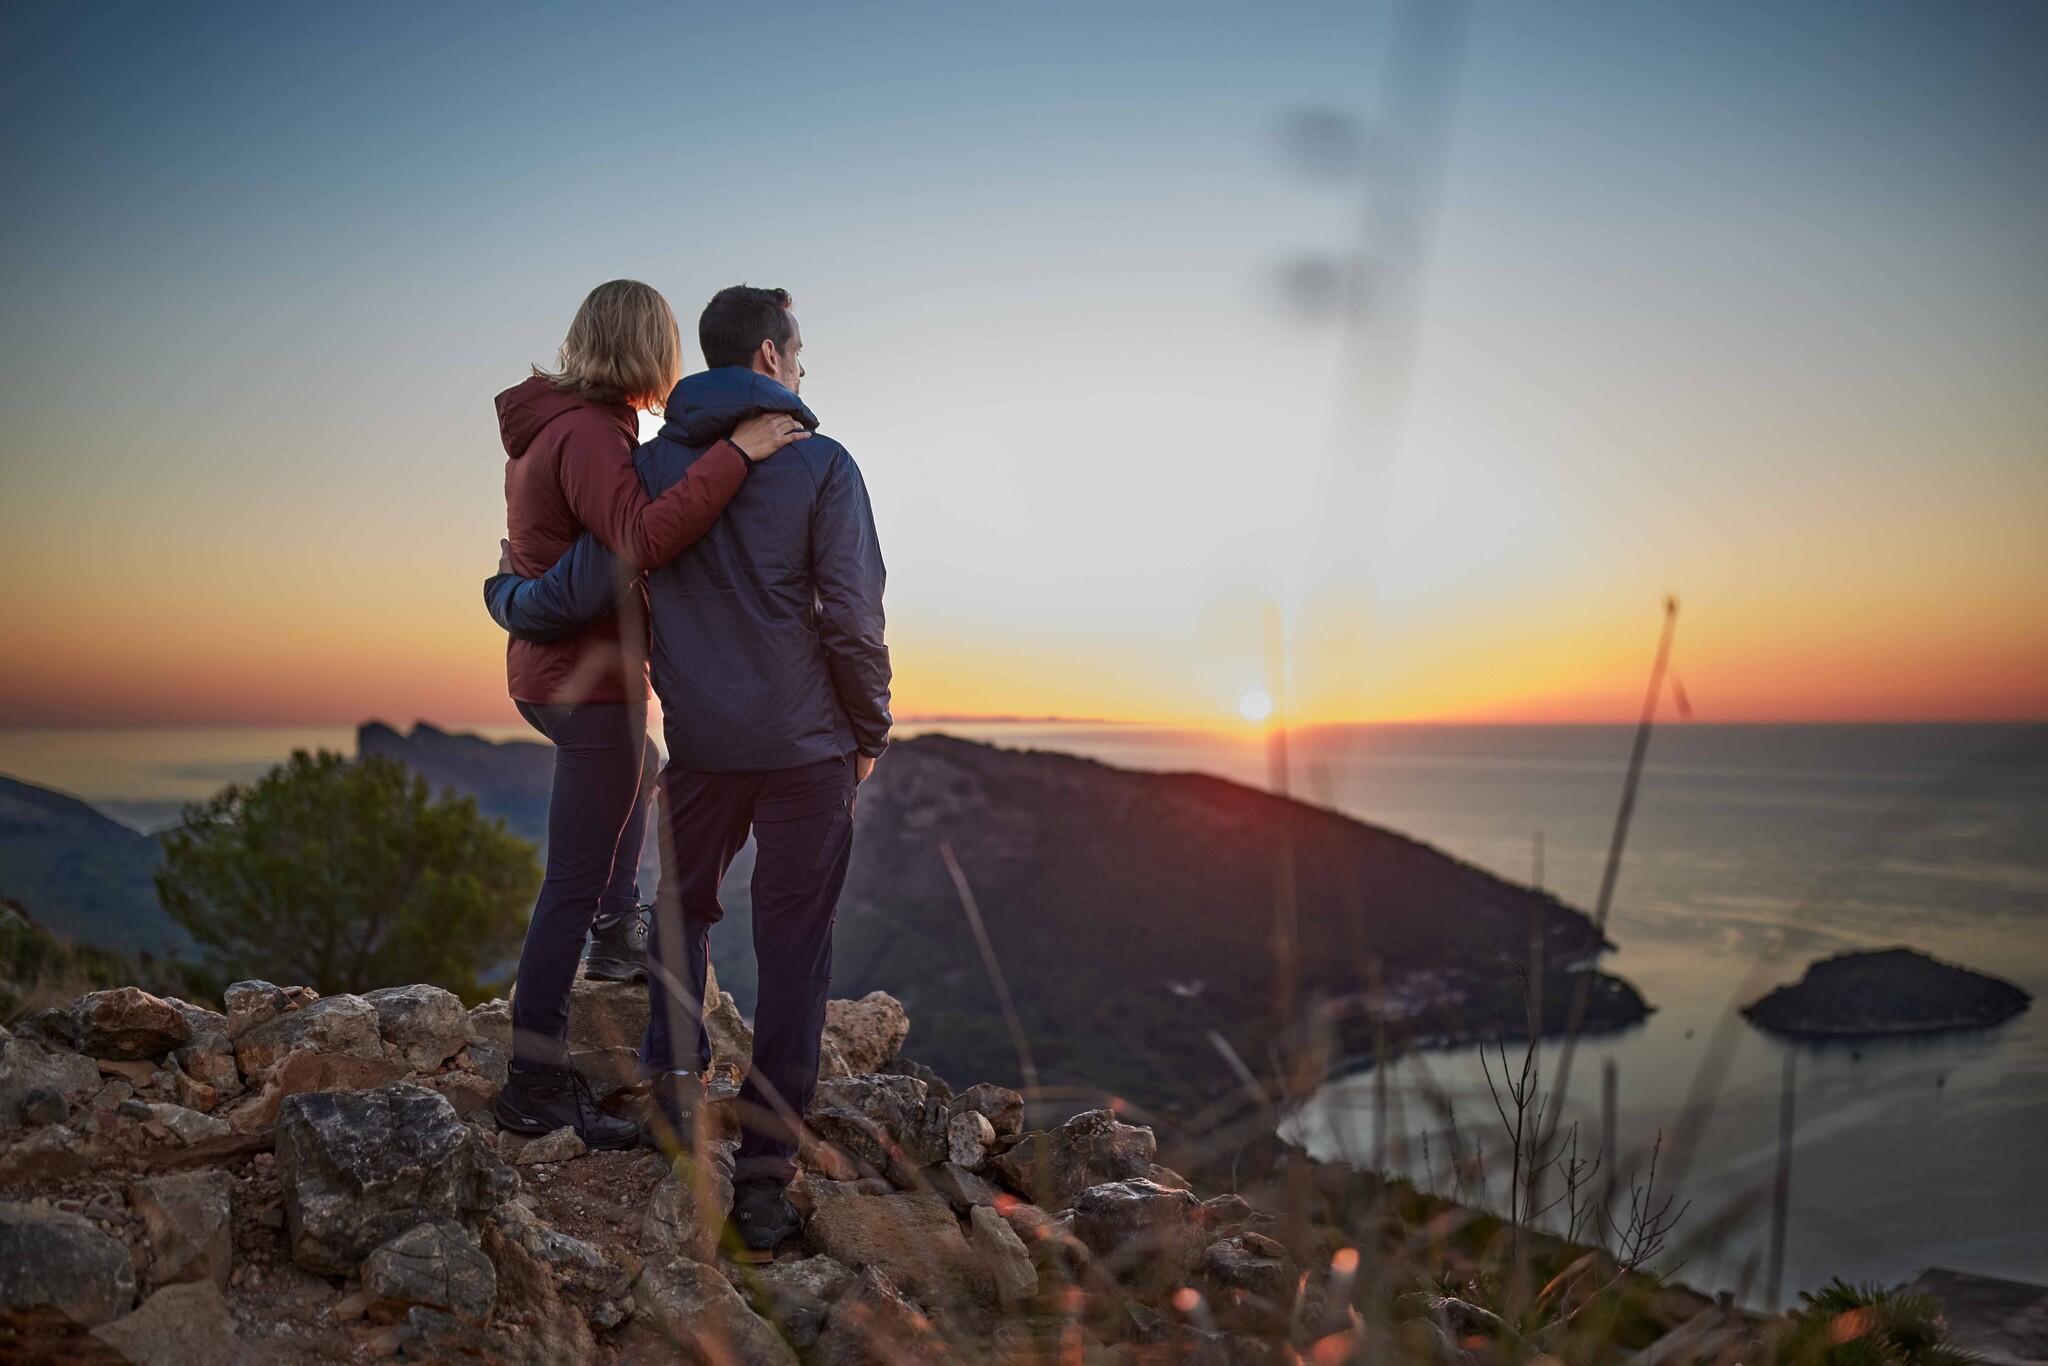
{"x": 673, "y": 1106}
{"x": 542, "y": 1101}
{"x": 618, "y": 947}
{"x": 762, "y": 1217}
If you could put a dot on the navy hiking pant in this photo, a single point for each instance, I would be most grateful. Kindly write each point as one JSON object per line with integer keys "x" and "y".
{"x": 802, "y": 823}
{"x": 597, "y": 821}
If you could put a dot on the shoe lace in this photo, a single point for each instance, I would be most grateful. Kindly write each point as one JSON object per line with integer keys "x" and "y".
{"x": 588, "y": 1111}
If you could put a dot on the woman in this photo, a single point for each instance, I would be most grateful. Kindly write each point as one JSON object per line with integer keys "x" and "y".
{"x": 570, "y": 434}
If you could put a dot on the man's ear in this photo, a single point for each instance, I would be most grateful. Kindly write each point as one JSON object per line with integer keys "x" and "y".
{"x": 765, "y": 358}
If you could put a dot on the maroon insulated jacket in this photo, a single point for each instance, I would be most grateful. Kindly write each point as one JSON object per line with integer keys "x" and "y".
{"x": 571, "y": 469}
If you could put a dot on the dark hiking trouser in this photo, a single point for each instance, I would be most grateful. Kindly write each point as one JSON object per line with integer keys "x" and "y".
{"x": 802, "y": 821}
{"x": 597, "y": 821}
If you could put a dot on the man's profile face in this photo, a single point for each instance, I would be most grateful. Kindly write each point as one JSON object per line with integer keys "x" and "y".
{"x": 789, "y": 366}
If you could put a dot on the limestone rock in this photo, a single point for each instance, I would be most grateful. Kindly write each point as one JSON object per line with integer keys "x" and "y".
{"x": 127, "y": 1022}
{"x": 543, "y": 1240}
{"x": 1146, "y": 1235}
{"x": 50, "y": 1027}
{"x": 867, "y": 1032}
{"x": 1003, "y": 1107}
{"x": 426, "y": 1024}
{"x": 306, "y": 1071}
{"x": 890, "y": 1123}
{"x": 1003, "y": 1253}
{"x": 180, "y": 1325}
{"x": 1251, "y": 1283}
{"x": 969, "y": 1135}
{"x": 493, "y": 1021}
{"x": 1091, "y": 1149}
{"x": 254, "y": 1003}
{"x": 960, "y": 1188}
{"x": 912, "y": 1238}
{"x": 700, "y": 1307}
{"x": 188, "y": 1126}
{"x": 606, "y": 1014}
{"x": 357, "y": 1168}
{"x": 872, "y": 1322}
{"x": 437, "y": 1265}
{"x": 51, "y": 1260}
{"x": 344, "y": 1026}
{"x": 562, "y": 1145}
{"x": 28, "y": 1068}
{"x": 800, "y": 1294}
{"x": 186, "y": 1215}
{"x": 683, "y": 1217}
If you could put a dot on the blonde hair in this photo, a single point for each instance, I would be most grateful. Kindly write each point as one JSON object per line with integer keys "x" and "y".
{"x": 623, "y": 347}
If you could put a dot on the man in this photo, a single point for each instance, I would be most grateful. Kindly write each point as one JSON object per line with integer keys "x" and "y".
{"x": 773, "y": 677}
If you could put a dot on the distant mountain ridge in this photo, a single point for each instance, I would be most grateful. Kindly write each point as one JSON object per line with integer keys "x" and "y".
{"x": 81, "y": 873}
{"x": 1130, "y": 912}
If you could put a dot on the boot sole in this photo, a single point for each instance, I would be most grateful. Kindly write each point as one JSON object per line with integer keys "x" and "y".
{"x": 613, "y": 970}
{"x": 535, "y": 1127}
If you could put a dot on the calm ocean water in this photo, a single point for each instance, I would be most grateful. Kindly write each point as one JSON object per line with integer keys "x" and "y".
{"x": 1754, "y": 849}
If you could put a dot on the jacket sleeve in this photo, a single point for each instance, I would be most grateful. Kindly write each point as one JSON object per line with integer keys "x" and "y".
{"x": 603, "y": 490}
{"x": 582, "y": 587}
{"x": 847, "y": 571}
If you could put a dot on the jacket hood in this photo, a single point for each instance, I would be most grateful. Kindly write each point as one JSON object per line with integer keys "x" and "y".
{"x": 532, "y": 404}
{"x": 708, "y": 405}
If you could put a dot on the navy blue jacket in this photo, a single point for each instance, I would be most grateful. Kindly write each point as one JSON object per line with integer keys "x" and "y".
{"x": 767, "y": 648}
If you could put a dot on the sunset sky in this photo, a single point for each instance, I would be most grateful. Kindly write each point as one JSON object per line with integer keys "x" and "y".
{"x": 1743, "y": 303}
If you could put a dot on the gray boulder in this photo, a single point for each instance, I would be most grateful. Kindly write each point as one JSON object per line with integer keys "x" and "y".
{"x": 911, "y": 1237}
{"x": 255, "y": 1002}
{"x": 51, "y": 1260}
{"x": 127, "y": 1023}
{"x": 1147, "y": 1235}
{"x": 357, "y": 1168}
{"x": 28, "y": 1071}
{"x": 1003, "y": 1253}
{"x": 891, "y": 1123}
{"x": 868, "y": 1032}
{"x": 1251, "y": 1283}
{"x": 685, "y": 1214}
{"x": 1003, "y": 1107}
{"x": 187, "y": 1218}
{"x": 872, "y": 1322}
{"x": 180, "y": 1325}
{"x": 341, "y": 1026}
{"x": 1051, "y": 1167}
{"x": 700, "y": 1308}
{"x": 426, "y": 1024}
{"x": 436, "y": 1265}
{"x": 800, "y": 1292}
{"x": 969, "y": 1136}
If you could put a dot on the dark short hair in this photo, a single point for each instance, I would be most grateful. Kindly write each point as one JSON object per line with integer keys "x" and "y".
{"x": 738, "y": 320}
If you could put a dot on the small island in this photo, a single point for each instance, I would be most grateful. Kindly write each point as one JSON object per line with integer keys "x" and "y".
{"x": 1886, "y": 991}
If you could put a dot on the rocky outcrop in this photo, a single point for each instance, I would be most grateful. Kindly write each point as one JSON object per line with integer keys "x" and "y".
{"x": 1889, "y": 991}
{"x": 338, "y": 1154}
{"x": 357, "y": 1168}
{"x": 432, "y": 1265}
{"x": 912, "y": 1238}
{"x": 50, "y": 1259}
{"x": 1091, "y": 1149}
{"x": 424, "y": 1024}
{"x": 180, "y": 1325}
{"x": 187, "y": 1219}
{"x": 127, "y": 1023}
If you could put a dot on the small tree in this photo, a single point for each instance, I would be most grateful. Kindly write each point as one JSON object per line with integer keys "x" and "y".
{"x": 346, "y": 876}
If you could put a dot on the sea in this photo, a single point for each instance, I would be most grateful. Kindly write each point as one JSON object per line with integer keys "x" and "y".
{"x": 1753, "y": 850}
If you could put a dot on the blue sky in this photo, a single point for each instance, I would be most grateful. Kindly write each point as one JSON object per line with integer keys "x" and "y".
{"x": 1742, "y": 301}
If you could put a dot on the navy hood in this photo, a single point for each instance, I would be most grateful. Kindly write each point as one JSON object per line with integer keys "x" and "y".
{"x": 706, "y": 406}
